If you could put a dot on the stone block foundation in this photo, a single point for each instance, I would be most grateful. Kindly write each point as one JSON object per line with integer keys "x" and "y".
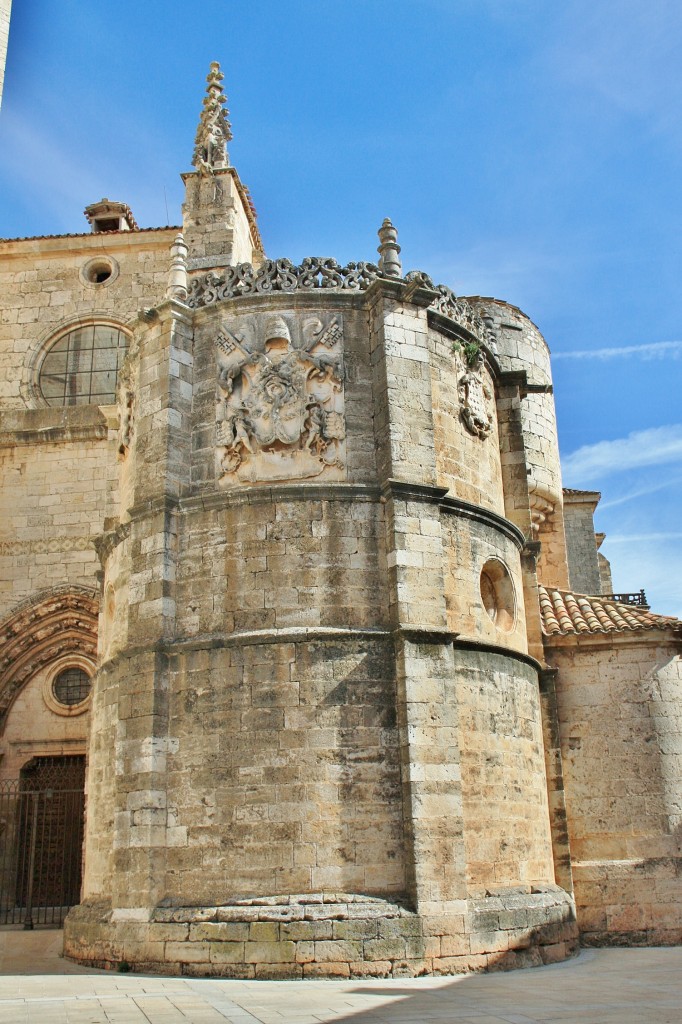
{"x": 327, "y": 935}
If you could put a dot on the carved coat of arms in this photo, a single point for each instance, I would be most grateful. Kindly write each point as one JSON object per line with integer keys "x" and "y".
{"x": 280, "y": 400}
{"x": 475, "y": 396}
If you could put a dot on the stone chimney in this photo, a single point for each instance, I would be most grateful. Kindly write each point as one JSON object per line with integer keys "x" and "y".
{"x": 110, "y": 216}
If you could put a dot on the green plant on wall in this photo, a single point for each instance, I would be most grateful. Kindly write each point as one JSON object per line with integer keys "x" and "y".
{"x": 469, "y": 350}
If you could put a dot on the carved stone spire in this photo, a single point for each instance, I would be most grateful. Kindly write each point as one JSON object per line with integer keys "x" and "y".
{"x": 214, "y": 131}
{"x": 389, "y": 250}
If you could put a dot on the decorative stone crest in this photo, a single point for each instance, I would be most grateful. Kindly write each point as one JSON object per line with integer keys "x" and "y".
{"x": 279, "y": 276}
{"x": 324, "y": 272}
{"x": 279, "y": 408}
{"x": 475, "y": 396}
{"x": 214, "y": 131}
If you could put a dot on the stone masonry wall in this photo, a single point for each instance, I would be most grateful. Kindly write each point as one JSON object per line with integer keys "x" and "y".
{"x": 521, "y": 346}
{"x": 468, "y": 546}
{"x": 620, "y": 711}
{"x": 292, "y": 784}
{"x": 42, "y": 291}
{"x": 581, "y": 545}
{"x": 276, "y": 564}
{"x": 467, "y": 465}
{"x": 53, "y": 501}
{"x": 506, "y": 819}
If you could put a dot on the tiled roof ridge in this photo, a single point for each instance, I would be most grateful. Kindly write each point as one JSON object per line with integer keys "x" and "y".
{"x": 90, "y": 234}
{"x": 565, "y": 613}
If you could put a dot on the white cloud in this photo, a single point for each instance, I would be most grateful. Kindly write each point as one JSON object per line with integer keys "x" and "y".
{"x": 640, "y": 538}
{"x": 59, "y": 179}
{"x": 655, "y": 566}
{"x": 497, "y": 266}
{"x": 661, "y": 485}
{"x": 625, "y": 52}
{"x": 654, "y": 350}
{"x": 653, "y": 447}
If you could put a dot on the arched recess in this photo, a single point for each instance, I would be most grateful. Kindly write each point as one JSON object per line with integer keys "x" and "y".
{"x": 51, "y": 625}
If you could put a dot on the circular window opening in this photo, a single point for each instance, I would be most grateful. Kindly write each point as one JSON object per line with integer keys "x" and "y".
{"x": 71, "y": 687}
{"x": 497, "y": 594}
{"x": 99, "y": 270}
{"x": 82, "y": 367}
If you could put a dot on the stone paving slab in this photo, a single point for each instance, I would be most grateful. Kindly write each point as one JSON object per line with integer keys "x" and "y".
{"x": 600, "y": 986}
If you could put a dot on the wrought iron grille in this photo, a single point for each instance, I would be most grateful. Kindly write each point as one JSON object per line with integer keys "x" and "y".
{"x": 637, "y": 599}
{"x": 41, "y": 841}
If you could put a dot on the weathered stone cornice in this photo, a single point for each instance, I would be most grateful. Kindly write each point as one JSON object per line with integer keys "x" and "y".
{"x": 283, "y": 492}
{"x": 52, "y": 425}
{"x": 497, "y": 522}
{"x": 429, "y": 494}
{"x": 287, "y": 635}
{"x": 504, "y": 652}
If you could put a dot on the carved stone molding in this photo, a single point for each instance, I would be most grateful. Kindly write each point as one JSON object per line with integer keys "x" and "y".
{"x": 279, "y": 399}
{"x": 541, "y": 509}
{"x": 51, "y": 626}
{"x": 10, "y": 548}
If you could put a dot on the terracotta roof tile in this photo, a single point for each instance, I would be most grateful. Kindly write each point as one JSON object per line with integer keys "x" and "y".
{"x": 88, "y": 234}
{"x": 564, "y": 613}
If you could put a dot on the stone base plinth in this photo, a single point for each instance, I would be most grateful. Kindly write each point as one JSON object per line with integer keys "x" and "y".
{"x": 629, "y": 902}
{"x": 326, "y": 935}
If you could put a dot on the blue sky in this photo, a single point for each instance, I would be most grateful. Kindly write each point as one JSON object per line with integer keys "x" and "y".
{"x": 526, "y": 149}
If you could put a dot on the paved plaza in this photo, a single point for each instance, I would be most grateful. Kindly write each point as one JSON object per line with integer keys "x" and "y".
{"x": 601, "y": 986}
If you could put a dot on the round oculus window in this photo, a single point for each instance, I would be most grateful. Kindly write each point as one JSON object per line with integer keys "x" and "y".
{"x": 99, "y": 270}
{"x": 497, "y": 594}
{"x": 82, "y": 367}
{"x": 71, "y": 687}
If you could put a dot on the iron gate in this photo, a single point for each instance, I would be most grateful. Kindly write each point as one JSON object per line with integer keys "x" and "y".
{"x": 41, "y": 841}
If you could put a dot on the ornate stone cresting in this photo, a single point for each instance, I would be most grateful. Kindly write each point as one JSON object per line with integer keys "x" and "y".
{"x": 324, "y": 272}
{"x": 279, "y": 276}
{"x": 455, "y": 308}
{"x": 279, "y": 402}
{"x": 214, "y": 131}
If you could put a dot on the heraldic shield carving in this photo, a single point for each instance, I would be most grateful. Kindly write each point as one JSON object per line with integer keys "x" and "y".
{"x": 475, "y": 396}
{"x": 279, "y": 405}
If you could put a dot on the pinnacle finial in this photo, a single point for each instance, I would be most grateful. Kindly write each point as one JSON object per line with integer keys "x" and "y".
{"x": 214, "y": 131}
{"x": 389, "y": 250}
{"x": 177, "y": 274}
